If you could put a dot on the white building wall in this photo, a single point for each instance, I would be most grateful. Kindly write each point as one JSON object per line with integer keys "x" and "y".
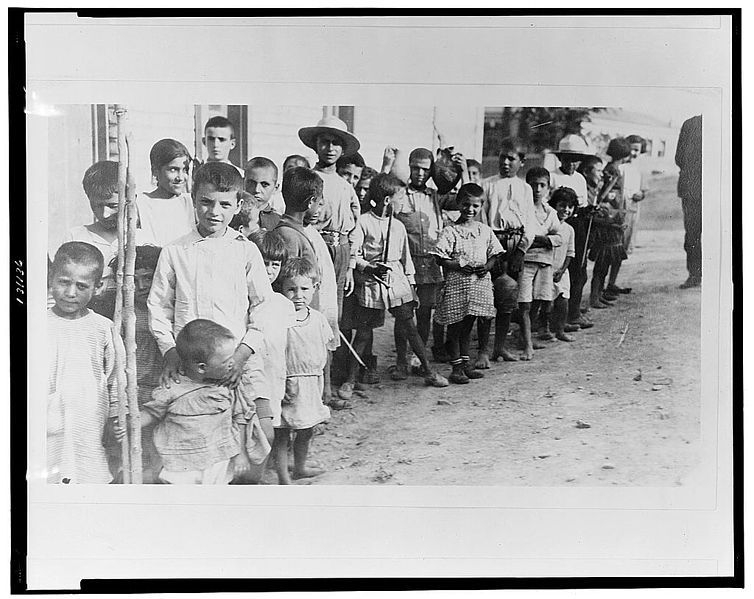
{"x": 273, "y": 131}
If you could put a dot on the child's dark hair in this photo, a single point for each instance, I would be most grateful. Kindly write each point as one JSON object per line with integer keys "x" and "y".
{"x": 299, "y": 267}
{"x": 421, "y": 154}
{"x": 469, "y": 190}
{"x": 262, "y": 162}
{"x": 618, "y": 148}
{"x": 354, "y": 159}
{"x": 272, "y": 247}
{"x": 300, "y": 185}
{"x": 383, "y": 185}
{"x": 165, "y": 151}
{"x": 219, "y": 122}
{"x": 146, "y": 257}
{"x": 101, "y": 179}
{"x": 511, "y": 144}
{"x": 564, "y": 194}
{"x": 223, "y": 177}
{"x": 471, "y": 162}
{"x": 199, "y": 339}
{"x": 636, "y": 139}
{"x": 368, "y": 173}
{"x": 537, "y": 172}
{"x": 297, "y": 158}
{"x": 588, "y": 162}
{"x": 79, "y": 252}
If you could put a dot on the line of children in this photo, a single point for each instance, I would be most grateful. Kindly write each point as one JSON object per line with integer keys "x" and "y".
{"x": 250, "y": 367}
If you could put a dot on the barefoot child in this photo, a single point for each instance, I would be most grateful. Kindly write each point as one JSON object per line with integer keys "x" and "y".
{"x": 166, "y": 213}
{"x": 563, "y": 201}
{"x": 81, "y": 399}
{"x": 213, "y": 273}
{"x": 305, "y": 360}
{"x": 384, "y": 280}
{"x": 467, "y": 250}
{"x": 535, "y": 280}
{"x": 198, "y": 422}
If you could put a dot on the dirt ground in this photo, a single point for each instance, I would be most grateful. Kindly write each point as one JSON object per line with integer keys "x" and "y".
{"x": 589, "y": 413}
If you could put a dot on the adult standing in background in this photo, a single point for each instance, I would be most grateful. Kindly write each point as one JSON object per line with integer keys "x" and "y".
{"x": 688, "y": 157}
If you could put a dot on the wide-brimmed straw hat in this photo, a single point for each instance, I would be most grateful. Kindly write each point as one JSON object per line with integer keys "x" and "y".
{"x": 330, "y": 124}
{"x": 574, "y": 145}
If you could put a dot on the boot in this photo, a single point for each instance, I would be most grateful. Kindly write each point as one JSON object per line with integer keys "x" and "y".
{"x": 458, "y": 376}
{"x": 469, "y": 371}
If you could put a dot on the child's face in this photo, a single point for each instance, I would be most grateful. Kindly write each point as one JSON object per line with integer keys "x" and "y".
{"x": 351, "y": 173}
{"x": 311, "y": 216}
{"x": 362, "y": 187}
{"x": 475, "y": 174}
{"x": 395, "y": 201}
{"x": 540, "y": 187}
{"x": 568, "y": 166}
{"x": 219, "y": 364}
{"x": 261, "y": 183}
{"x": 419, "y": 169}
{"x": 564, "y": 210}
{"x": 329, "y": 148}
{"x": 214, "y": 209}
{"x": 219, "y": 143}
{"x": 273, "y": 269}
{"x": 510, "y": 162}
{"x": 293, "y": 163}
{"x": 635, "y": 151}
{"x": 300, "y": 290}
{"x": 143, "y": 283}
{"x": 593, "y": 174}
{"x": 470, "y": 207}
{"x": 172, "y": 177}
{"x": 105, "y": 211}
{"x": 72, "y": 287}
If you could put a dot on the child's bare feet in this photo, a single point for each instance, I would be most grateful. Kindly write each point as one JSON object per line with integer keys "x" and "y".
{"x": 482, "y": 361}
{"x": 307, "y": 472}
{"x": 597, "y": 305}
{"x": 528, "y": 353}
{"x": 563, "y": 337}
{"x": 505, "y": 355}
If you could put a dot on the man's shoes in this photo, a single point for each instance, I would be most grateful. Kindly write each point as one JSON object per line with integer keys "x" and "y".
{"x": 615, "y": 289}
{"x": 582, "y": 323}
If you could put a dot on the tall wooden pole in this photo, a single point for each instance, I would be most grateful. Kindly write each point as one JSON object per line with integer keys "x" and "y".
{"x": 129, "y": 321}
{"x": 120, "y": 356}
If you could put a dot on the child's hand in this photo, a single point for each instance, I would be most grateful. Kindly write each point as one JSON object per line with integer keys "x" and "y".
{"x": 557, "y": 275}
{"x": 467, "y": 269}
{"x": 291, "y": 390}
{"x": 241, "y": 464}
{"x": 171, "y": 369}
{"x": 267, "y": 428}
{"x": 349, "y": 285}
{"x": 460, "y": 161}
{"x": 114, "y": 433}
{"x": 235, "y": 372}
{"x": 388, "y": 158}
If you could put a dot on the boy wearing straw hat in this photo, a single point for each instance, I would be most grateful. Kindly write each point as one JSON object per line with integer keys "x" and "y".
{"x": 330, "y": 139}
{"x": 571, "y": 150}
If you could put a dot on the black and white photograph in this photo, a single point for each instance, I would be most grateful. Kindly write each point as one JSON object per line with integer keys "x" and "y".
{"x": 430, "y": 289}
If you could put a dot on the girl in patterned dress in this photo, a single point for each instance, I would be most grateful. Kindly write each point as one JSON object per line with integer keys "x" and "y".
{"x": 305, "y": 357}
{"x": 81, "y": 399}
{"x": 466, "y": 250}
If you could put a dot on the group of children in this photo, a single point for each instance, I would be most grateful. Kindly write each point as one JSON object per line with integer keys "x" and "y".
{"x": 254, "y": 300}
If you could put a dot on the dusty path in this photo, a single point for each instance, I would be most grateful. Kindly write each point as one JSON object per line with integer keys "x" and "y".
{"x": 638, "y": 401}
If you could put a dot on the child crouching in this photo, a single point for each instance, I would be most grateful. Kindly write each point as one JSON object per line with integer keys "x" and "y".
{"x": 305, "y": 359}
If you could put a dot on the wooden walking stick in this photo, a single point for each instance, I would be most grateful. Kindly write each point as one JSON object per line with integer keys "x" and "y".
{"x": 603, "y": 194}
{"x": 120, "y": 356}
{"x": 129, "y": 321}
